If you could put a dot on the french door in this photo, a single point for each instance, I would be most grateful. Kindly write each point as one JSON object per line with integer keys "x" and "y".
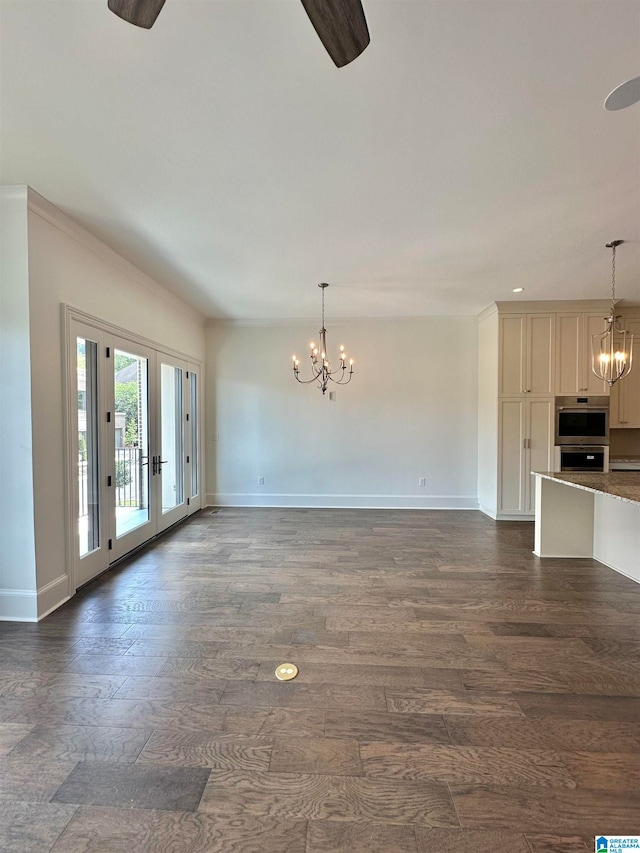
{"x": 130, "y": 434}
{"x": 133, "y": 445}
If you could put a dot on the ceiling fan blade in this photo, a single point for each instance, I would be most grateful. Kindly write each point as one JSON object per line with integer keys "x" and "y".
{"x": 623, "y": 95}
{"x": 142, "y": 13}
{"x": 342, "y": 27}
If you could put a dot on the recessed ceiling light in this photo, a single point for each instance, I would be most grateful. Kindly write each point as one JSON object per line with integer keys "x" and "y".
{"x": 518, "y": 289}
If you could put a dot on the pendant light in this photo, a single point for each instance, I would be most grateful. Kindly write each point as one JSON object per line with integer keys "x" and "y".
{"x": 612, "y": 350}
{"x": 321, "y": 371}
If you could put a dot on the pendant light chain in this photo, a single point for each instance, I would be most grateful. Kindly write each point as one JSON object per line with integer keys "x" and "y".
{"x": 613, "y": 278}
{"x": 613, "y": 245}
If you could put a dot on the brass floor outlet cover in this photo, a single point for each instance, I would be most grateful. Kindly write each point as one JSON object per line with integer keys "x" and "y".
{"x": 286, "y": 671}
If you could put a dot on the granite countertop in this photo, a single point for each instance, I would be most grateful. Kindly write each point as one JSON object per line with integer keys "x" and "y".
{"x": 627, "y": 458}
{"x": 624, "y": 485}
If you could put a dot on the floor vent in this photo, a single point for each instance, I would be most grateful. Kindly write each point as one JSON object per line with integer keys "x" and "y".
{"x": 213, "y": 512}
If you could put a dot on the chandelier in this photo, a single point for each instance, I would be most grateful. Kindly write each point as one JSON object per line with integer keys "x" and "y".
{"x": 612, "y": 350}
{"x": 321, "y": 371}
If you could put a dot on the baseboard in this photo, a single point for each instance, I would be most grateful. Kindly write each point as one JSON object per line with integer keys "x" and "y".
{"x": 505, "y": 516}
{"x": 23, "y": 605}
{"x": 615, "y": 569}
{"x": 490, "y": 512}
{"x": 569, "y": 557}
{"x": 343, "y": 501}
{"x": 18, "y": 605}
{"x": 52, "y": 595}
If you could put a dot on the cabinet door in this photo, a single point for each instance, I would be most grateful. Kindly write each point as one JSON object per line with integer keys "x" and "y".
{"x": 540, "y": 434}
{"x": 511, "y": 462}
{"x": 574, "y": 375}
{"x": 616, "y": 404}
{"x": 540, "y": 350}
{"x": 629, "y": 387}
{"x": 632, "y": 399}
{"x": 568, "y": 353}
{"x": 513, "y": 331}
{"x": 593, "y": 324}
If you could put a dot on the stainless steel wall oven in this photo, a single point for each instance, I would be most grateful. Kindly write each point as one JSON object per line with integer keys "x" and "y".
{"x": 582, "y": 421}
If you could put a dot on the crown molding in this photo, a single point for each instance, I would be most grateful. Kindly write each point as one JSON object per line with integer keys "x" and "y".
{"x": 557, "y": 305}
{"x": 280, "y": 322}
{"x": 43, "y": 208}
{"x": 487, "y": 312}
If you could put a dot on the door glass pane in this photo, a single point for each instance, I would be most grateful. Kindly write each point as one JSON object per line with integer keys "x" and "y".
{"x": 131, "y": 441}
{"x": 171, "y": 467}
{"x": 194, "y": 434}
{"x": 88, "y": 468}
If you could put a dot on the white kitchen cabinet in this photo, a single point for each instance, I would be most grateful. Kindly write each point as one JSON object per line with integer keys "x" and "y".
{"x": 525, "y": 444}
{"x": 573, "y": 354}
{"x": 526, "y": 355}
{"x": 625, "y": 394}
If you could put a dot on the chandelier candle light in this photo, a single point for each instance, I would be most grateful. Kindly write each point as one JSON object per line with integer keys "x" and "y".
{"x": 612, "y": 350}
{"x": 321, "y": 370}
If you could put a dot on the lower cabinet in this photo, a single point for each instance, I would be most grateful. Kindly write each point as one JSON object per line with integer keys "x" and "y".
{"x": 526, "y": 434}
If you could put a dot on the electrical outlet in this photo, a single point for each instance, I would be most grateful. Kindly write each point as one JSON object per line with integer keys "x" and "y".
{"x": 261, "y": 481}
{"x": 422, "y": 481}
{"x": 332, "y": 395}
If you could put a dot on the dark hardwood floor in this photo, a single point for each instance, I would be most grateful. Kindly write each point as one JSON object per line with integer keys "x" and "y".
{"x": 455, "y": 693}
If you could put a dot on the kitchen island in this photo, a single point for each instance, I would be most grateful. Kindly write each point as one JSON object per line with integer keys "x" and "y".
{"x": 590, "y": 515}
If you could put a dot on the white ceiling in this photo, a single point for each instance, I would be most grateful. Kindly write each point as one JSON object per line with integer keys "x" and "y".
{"x": 466, "y": 152}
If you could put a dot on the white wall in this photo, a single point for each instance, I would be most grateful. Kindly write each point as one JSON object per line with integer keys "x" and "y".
{"x": 488, "y": 413}
{"x": 410, "y": 412}
{"x": 17, "y": 543}
{"x": 68, "y": 265}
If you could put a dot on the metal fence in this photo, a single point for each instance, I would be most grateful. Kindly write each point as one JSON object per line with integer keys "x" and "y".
{"x": 129, "y": 472}
{"x": 129, "y": 483}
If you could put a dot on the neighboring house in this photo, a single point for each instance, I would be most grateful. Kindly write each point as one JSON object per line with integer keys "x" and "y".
{"x": 82, "y": 413}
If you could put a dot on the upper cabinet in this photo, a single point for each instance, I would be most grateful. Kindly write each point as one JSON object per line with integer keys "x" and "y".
{"x": 625, "y": 394}
{"x": 526, "y": 358}
{"x": 573, "y": 354}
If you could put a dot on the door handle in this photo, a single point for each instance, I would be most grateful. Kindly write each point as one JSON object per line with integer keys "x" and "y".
{"x": 161, "y": 462}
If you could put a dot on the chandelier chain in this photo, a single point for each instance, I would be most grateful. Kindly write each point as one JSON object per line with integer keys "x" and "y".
{"x": 613, "y": 277}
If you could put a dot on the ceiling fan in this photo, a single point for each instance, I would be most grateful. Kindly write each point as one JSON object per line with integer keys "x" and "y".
{"x": 340, "y": 24}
